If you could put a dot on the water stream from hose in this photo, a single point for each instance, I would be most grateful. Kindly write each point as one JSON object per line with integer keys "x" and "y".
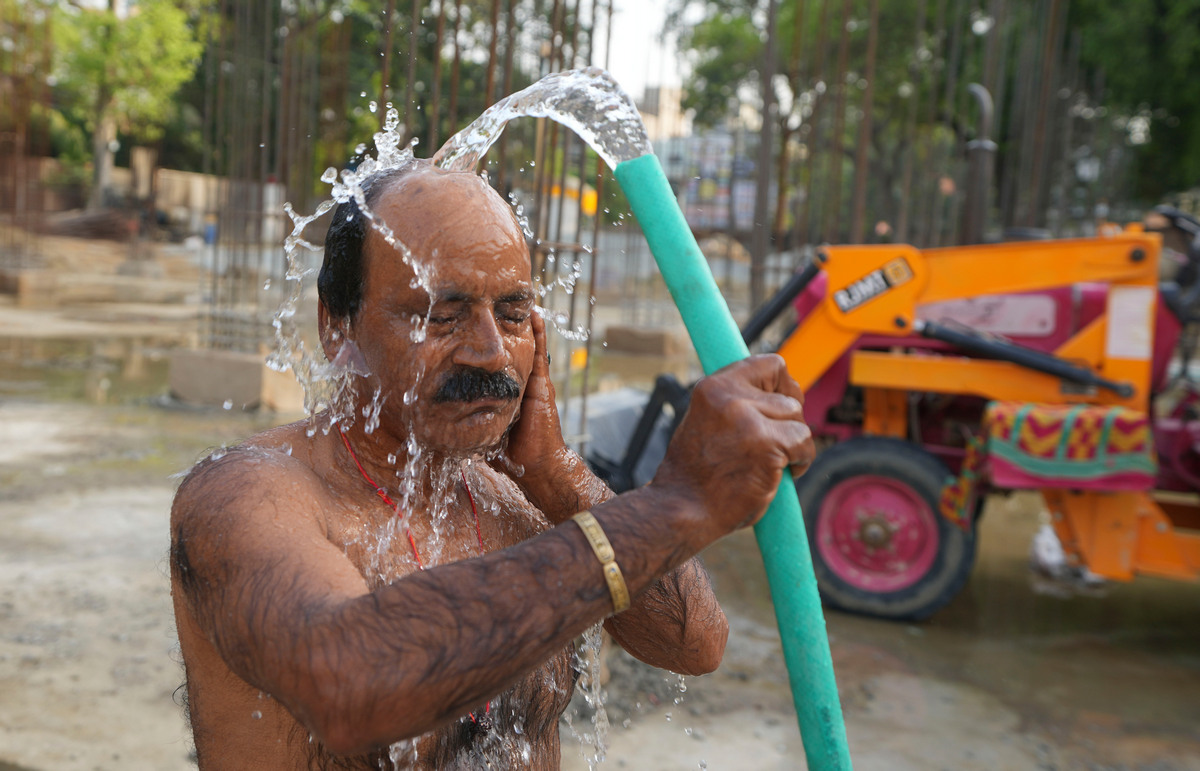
{"x": 590, "y": 103}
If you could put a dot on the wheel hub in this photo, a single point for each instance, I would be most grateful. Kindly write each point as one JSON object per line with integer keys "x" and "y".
{"x": 875, "y": 532}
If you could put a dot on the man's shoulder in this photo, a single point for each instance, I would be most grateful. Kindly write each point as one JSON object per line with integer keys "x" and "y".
{"x": 279, "y": 461}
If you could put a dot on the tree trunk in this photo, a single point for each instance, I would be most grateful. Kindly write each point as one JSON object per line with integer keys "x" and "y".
{"x": 106, "y": 126}
{"x": 102, "y": 159}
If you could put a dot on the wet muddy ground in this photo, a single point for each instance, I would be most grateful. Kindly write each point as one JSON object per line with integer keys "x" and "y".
{"x": 1009, "y": 676}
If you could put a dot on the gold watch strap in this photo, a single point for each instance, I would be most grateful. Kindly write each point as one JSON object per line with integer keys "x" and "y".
{"x": 607, "y": 557}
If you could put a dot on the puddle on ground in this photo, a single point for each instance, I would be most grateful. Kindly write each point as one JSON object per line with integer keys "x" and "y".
{"x": 97, "y": 371}
{"x": 1102, "y": 680}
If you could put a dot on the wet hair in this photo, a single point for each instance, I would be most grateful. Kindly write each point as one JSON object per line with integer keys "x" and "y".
{"x": 340, "y": 282}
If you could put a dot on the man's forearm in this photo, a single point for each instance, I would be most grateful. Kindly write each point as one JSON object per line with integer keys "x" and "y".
{"x": 676, "y": 623}
{"x": 437, "y": 644}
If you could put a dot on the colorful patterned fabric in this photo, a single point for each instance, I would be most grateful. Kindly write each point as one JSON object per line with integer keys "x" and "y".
{"x": 1068, "y": 446}
{"x": 1035, "y": 446}
{"x": 958, "y": 496}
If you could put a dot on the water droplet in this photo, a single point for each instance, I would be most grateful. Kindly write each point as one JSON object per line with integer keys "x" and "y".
{"x": 228, "y": 404}
{"x": 256, "y": 714}
{"x": 372, "y": 106}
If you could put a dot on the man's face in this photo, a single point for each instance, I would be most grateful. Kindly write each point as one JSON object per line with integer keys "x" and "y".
{"x": 464, "y": 377}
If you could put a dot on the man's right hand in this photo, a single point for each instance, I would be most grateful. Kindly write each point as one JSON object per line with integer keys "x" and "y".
{"x": 744, "y": 427}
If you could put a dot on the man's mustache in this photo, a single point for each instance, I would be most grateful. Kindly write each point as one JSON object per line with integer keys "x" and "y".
{"x": 472, "y": 384}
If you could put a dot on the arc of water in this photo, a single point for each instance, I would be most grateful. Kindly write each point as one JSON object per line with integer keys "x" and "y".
{"x": 591, "y": 103}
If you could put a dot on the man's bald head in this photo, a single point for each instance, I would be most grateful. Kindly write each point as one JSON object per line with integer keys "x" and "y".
{"x": 340, "y": 282}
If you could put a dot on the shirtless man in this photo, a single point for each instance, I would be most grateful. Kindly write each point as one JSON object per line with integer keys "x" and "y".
{"x": 407, "y": 594}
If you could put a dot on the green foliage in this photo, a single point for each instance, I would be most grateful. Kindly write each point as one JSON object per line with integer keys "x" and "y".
{"x": 724, "y": 52}
{"x": 1147, "y": 53}
{"x": 126, "y": 69}
{"x": 68, "y": 139}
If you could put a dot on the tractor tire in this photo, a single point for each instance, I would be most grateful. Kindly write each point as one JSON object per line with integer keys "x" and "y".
{"x": 879, "y": 544}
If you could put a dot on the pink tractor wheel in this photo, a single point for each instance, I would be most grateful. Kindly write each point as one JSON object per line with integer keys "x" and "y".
{"x": 879, "y": 544}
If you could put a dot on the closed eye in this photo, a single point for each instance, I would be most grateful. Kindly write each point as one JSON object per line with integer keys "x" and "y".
{"x": 513, "y": 316}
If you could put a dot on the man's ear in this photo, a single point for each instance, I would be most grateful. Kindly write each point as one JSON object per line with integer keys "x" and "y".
{"x": 333, "y": 332}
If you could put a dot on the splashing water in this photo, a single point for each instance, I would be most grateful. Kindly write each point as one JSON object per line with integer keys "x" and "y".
{"x": 587, "y": 101}
{"x": 590, "y": 103}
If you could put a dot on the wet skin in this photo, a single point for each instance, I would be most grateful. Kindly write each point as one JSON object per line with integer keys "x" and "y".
{"x": 476, "y": 294}
{"x": 308, "y": 645}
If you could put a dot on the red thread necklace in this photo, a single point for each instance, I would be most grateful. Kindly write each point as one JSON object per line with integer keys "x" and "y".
{"x": 396, "y": 507}
{"x": 484, "y": 723}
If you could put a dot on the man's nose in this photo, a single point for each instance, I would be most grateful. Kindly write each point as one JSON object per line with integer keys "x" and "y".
{"x": 482, "y": 344}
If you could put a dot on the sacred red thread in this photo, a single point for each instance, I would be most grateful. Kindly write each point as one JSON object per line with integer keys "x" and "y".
{"x": 407, "y": 531}
{"x": 396, "y": 507}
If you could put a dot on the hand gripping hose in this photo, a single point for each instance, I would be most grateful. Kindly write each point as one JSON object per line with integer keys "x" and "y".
{"x": 780, "y": 533}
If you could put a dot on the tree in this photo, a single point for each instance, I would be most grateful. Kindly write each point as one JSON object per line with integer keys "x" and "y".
{"x": 122, "y": 73}
{"x": 1145, "y": 55}
{"x": 723, "y": 51}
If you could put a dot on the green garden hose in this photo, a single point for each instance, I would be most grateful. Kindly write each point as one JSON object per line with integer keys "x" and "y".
{"x": 780, "y": 533}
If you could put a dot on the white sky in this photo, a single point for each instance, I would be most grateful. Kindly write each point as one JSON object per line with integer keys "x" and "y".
{"x": 638, "y": 60}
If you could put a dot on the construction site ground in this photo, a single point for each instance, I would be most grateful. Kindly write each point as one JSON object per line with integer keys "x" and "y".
{"x": 1016, "y": 673}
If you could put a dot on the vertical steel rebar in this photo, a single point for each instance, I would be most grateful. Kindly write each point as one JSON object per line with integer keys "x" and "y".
{"x": 1030, "y": 126}
{"x": 865, "y": 127}
{"x": 799, "y": 57}
{"x": 811, "y": 213}
{"x": 760, "y": 235}
{"x": 1061, "y": 176}
{"x": 510, "y": 42}
{"x": 593, "y": 262}
{"x": 434, "y": 106}
{"x": 1014, "y": 155}
{"x": 927, "y": 185}
{"x": 410, "y": 86}
{"x": 944, "y": 155}
{"x": 1034, "y": 213}
{"x": 385, "y": 70}
{"x": 834, "y": 211}
{"x": 455, "y": 69}
{"x": 489, "y": 90}
{"x": 909, "y": 134}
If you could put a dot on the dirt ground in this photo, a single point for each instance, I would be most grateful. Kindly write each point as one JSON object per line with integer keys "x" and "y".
{"x": 1008, "y": 676}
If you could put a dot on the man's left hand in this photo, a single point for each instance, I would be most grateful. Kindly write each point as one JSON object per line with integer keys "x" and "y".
{"x": 535, "y": 451}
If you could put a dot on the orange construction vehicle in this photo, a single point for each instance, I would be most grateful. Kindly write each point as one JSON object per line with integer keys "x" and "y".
{"x": 934, "y": 377}
{"x": 940, "y": 375}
